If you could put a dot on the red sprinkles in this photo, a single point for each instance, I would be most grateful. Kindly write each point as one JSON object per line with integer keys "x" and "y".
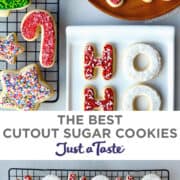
{"x": 91, "y": 62}
{"x": 30, "y": 30}
{"x": 90, "y": 102}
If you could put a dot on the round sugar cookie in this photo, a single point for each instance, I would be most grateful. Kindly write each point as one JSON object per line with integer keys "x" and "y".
{"x": 151, "y": 177}
{"x": 100, "y": 177}
{"x": 136, "y": 91}
{"x": 153, "y": 57}
{"x": 51, "y": 177}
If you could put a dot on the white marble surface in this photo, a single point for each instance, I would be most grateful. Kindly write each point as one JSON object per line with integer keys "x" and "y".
{"x": 80, "y": 12}
{"x": 172, "y": 166}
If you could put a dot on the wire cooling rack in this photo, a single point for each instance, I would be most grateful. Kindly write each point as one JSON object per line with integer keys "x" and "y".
{"x": 32, "y": 49}
{"x": 38, "y": 174}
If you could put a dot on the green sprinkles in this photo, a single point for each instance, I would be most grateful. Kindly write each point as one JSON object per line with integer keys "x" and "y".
{"x": 13, "y": 4}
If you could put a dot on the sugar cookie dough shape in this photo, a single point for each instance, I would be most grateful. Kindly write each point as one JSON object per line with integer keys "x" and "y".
{"x": 151, "y": 177}
{"x": 91, "y": 102}
{"x": 136, "y": 91}
{"x": 92, "y": 61}
{"x": 51, "y": 177}
{"x": 24, "y": 89}
{"x": 100, "y": 177}
{"x": 40, "y": 22}
{"x": 9, "y": 5}
{"x": 153, "y": 58}
{"x": 9, "y": 48}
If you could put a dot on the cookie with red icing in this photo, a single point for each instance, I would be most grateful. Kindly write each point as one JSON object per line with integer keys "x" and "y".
{"x": 91, "y": 62}
{"x": 91, "y": 102}
{"x": 115, "y": 3}
{"x": 41, "y": 21}
{"x": 72, "y": 176}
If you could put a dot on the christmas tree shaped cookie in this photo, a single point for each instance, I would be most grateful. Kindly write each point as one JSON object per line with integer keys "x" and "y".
{"x": 8, "y": 5}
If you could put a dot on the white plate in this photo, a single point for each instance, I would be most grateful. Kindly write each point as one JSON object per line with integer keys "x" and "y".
{"x": 161, "y": 37}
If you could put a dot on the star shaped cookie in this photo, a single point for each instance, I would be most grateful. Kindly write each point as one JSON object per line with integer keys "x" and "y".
{"x": 24, "y": 89}
{"x": 10, "y": 49}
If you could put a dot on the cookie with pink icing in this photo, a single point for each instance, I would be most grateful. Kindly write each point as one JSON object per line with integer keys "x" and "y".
{"x": 10, "y": 48}
{"x": 115, "y": 3}
{"x": 92, "y": 103}
{"x": 91, "y": 62}
{"x": 41, "y": 21}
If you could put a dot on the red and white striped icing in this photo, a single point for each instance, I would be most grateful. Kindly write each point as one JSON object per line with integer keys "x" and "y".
{"x": 91, "y": 103}
{"x": 30, "y": 28}
{"x": 91, "y": 62}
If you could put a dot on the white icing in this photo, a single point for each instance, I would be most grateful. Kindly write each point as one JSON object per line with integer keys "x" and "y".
{"x": 151, "y": 177}
{"x": 100, "y": 177}
{"x": 51, "y": 177}
{"x": 141, "y": 90}
{"x": 153, "y": 56}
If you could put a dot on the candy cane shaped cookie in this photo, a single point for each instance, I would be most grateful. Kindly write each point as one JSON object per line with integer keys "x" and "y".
{"x": 91, "y": 62}
{"x": 91, "y": 103}
{"x": 37, "y": 21}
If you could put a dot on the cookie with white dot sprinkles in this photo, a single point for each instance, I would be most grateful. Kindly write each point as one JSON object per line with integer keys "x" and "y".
{"x": 24, "y": 89}
{"x": 153, "y": 97}
{"x": 41, "y": 21}
{"x": 152, "y": 57}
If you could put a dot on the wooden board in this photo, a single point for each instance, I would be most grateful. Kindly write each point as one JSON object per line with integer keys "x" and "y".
{"x": 137, "y": 9}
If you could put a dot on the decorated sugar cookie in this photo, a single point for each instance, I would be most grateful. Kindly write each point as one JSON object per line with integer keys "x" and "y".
{"x": 83, "y": 178}
{"x": 115, "y": 3}
{"x": 8, "y": 5}
{"x": 153, "y": 58}
{"x": 9, "y": 48}
{"x": 28, "y": 177}
{"x": 151, "y": 177}
{"x": 41, "y": 21}
{"x": 72, "y": 176}
{"x": 100, "y": 177}
{"x": 128, "y": 177}
{"x": 91, "y": 62}
{"x": 51, "y": 177}
{"x": 92, "y": 103}
{"x": 24, "y": 89}
{"x": 154, "y": 99}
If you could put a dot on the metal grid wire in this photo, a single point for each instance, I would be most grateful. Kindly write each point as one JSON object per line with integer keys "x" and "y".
{"x": 32, "y": 49}
{"x": 38, "y": 174}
